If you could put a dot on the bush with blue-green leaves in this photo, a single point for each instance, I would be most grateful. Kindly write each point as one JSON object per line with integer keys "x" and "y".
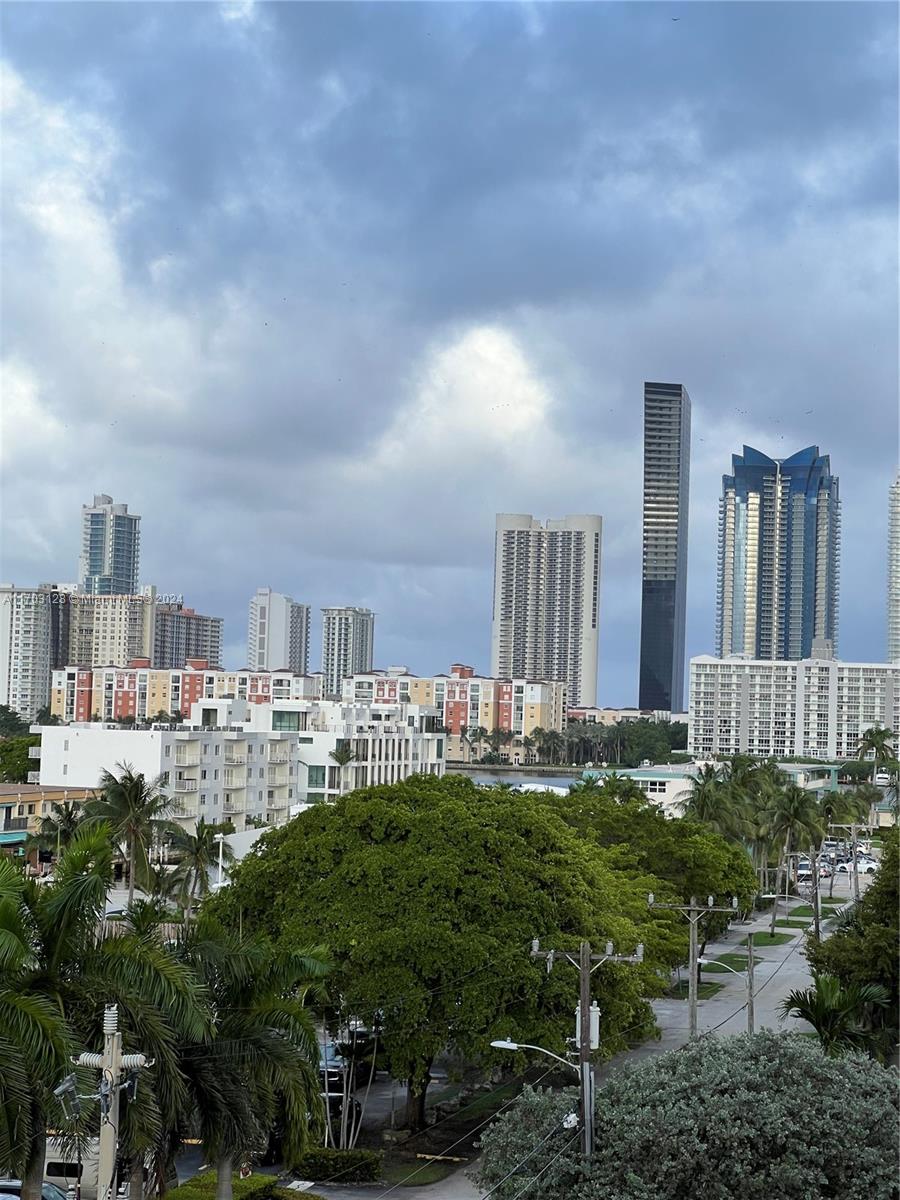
{"x": 767, "y": 1117}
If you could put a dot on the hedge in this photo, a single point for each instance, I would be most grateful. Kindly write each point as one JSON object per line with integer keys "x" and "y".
{"x": 344, "y": 1166}
{"x": 254, "y": 1187}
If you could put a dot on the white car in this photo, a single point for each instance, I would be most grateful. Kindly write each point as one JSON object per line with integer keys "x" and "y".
{"x": 865, "y": 866}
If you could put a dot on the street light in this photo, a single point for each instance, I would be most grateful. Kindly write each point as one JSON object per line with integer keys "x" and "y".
{"x": 735, "y": 971}
{"x": 220, "y": 838}
{"x": 505, "y": 1044}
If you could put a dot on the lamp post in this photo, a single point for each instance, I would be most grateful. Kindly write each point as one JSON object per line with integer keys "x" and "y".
{"x": 734, "y": 971}
{"x": 220, "y": 838}
{"x": 504, "y": 1044}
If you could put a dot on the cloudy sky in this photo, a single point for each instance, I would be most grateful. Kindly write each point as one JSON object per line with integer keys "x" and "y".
{"x": 319, "y": 288}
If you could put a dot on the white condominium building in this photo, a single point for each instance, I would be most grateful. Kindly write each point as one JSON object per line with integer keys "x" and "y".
{"x": 25, "y": 647}
{"x": 246, "y": 763}
{"x": 894, "y": 573}
{"x": 546, "y": 601}
{"x": 112, "y": 629}
{"x": 809, "y": 708}
{"x": 277, "y": 633}
{"x": 348, "y": 641}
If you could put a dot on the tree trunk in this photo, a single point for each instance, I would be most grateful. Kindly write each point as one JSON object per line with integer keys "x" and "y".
{"x": 224, "y": 1173}
{"x": 417, "y": 1089}
{"x": 130, "y": 871}
{"x": 33, "y": 1178}
{"x": 136, "y": 1180}
{"x": 782, "y": 860}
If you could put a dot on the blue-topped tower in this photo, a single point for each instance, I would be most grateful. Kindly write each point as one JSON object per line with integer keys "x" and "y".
{"x": 779, "y": 556}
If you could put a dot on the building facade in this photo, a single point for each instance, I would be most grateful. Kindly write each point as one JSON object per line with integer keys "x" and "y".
{"x": 667, "y": 463}
{"x": 106, "y": 629}
{"x": 251, "y": 763}
{"x": 466, "y": 701}
{"x": 779, "y": 556}
{"x": 141, "y": 693}
{"x": 894, "y": 572}
{"x": 348, "y": 645}
{"x": 277, "y": 633}
{"x": 34, "y": 638}
{"x": 180, "y": 634}
{"x": 546, "y": 601}
{"x": 110, "y": 548}
{"x": 808, "y": 708}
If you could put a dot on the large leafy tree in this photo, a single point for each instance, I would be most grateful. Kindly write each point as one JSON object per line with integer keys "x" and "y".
{"x": 865, "y": 948}
{"x": 14, "y": 761}
{"x": 262, "y": 1061}
{"x": 61, "y": 966}
{"x": 135, "y": 810}
{"x": 716, "y": 1119}
{"x": 428, "y": 893}
{"x": 11, "y": 724}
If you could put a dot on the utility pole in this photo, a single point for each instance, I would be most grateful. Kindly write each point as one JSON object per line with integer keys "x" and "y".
{"x": 694, "y": 911}
{"x": 750, "y": 1016}
{"x": 111, "y": 1063}
{"x": 854, "y": 838}
{"x": 586, "y": 963}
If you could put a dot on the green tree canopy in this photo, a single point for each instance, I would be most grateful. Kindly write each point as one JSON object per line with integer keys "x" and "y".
{"x": 866, "y": 947}
{"x": 14, "y": 761}
{"x": 11, "y": 724}
{"x": 757, "y": 1117}
{"x": 428, "y": 893}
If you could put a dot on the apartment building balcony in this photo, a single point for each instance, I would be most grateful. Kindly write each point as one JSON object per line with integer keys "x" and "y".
{"x": 279, "y": 754}
{"x": 233, "y": 759}
{"x": 187, "y": 759}
{"x": 233, "y": 808}
{"x": 34, "y": 752}
{"x": 185, "y": 785}
{"x": 34, "y": 777}
{"x": 277, "y": 777}
{"x": 235, "y": 779}
{"x": 14, "y": 823}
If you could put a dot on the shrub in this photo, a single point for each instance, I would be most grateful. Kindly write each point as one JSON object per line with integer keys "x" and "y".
{"x": 754, "y": 1117}
{"x": 349, "y": 1166}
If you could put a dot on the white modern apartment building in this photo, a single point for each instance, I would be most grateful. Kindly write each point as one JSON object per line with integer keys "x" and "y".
{"x": 110, "y": 548}
{"x": 26, "y": 616}
{"x": 546, "y": 601}
{"x": 251, "y": 763}
{"x": 809, "y": 708}
{"x": 277, "y": 633}
{"x": 894, "y": 573}
{"x": 348, "y": 643}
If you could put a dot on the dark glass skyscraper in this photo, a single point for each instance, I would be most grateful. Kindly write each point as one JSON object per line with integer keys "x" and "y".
{"x": 667, "y": 470}
{"x": 779, "y": 555}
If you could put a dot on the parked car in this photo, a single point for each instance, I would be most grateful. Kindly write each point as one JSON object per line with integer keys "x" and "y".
{"x": 13, "y": 1188}
{"x": 332, "y": 1068}
{"x": 865, "y": 866}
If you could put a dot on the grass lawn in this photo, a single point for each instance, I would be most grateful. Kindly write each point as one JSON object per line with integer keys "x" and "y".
{"x": 203, "y": 1187}
{"x": 397, "y": 1171}
{"x": 802, "y": 910}
{"x": 737, "y": 961}
{"x": 833, "y": 900}
{"x": 761, "y": 940}
{"x": 706, "y": 989}
{"x": 787, "y": 924}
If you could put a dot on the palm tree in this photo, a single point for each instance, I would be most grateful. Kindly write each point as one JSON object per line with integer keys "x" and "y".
{"x": 343, "y": 755}
{"x": 57, "y": 829}
{"x": 792, "y": 820}
{"x": 554, "y": 743}
{"x": 877, "y": 741}
{"x": 711, "y": 800}
{"x": 263, "y": 1060}
{"x": 61, "y": 967}
{"x": 840, "y": 1014}
{"x": 135, "y": 809}
{"x": 196, "y": 855}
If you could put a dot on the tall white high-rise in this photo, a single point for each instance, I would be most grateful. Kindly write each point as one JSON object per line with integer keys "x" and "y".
{"x": 348, "y": 643}
{"x": 26, "y": 640}
{"x": 894, "y": 572}
{"x": 546, "y": 601}
{"x": 110, "y": 548}
{"x": 277, "y": 633}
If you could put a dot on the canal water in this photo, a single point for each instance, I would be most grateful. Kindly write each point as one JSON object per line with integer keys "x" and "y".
{"x": 531, "y": 778}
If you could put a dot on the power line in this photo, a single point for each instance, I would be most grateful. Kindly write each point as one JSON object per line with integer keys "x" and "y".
{"x": 521, "y": 1162}
{"x": 546, "y": 1167}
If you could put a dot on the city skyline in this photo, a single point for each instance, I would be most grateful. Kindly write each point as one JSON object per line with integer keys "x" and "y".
{"x": 314, "y": 348}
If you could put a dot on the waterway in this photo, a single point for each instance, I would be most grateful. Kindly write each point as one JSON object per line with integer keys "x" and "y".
{"x": 538, "y": 779}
